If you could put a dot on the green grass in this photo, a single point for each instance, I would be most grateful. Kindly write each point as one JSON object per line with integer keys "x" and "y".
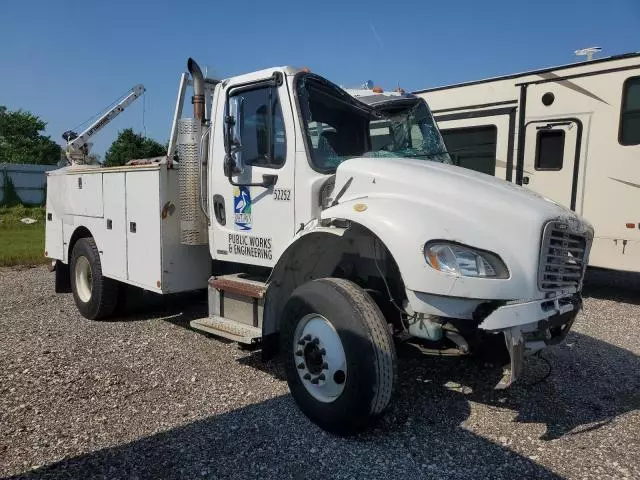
{"x": 21, "y": 244}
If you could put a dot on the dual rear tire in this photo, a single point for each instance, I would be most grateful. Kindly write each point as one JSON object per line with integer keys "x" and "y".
{"x": 340, "y": 359}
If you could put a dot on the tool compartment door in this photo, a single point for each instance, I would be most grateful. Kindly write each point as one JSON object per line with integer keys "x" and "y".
{"x": 53, "y": 238}
{"x": 144, "y": 261}
{"x": 114, "y": 238}
{"x": 84, "y": 194}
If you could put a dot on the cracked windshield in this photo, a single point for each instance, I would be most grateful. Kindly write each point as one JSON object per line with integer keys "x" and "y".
{"x": 340, "y": 127}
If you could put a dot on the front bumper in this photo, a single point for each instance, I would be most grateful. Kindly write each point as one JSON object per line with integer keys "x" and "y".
{"x": 552, "y": 320}
{"x": 526, "y": 313}
{"x": 528, "y": 326}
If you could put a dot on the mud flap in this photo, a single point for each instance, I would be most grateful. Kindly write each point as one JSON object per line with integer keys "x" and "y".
{"x": 63, "y": 280}
{"x": 515, "y": 346}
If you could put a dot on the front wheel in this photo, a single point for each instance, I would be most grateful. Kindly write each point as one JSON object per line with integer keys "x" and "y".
{"x": 340, "y": 359}
{"x": 95, "y": 295}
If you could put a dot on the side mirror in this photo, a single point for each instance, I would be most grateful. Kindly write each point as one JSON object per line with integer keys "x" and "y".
{"x": 233, "y": 160}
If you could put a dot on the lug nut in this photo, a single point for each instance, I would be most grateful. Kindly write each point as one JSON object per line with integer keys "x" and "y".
{"x": 301, "y": 342}
{"x": 316, "y": 340}
{"x": 299, "y": 353}
{"x": 301, "y": 366}
{"x": 315, "y": 380}
{"x": 307, "y": 376}
{"x": 322, "y": 351}
{"x": 321, "y": 377}
{"x": 307, "y": 337}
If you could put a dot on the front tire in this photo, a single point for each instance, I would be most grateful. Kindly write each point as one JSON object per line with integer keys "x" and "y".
{"x": 340, "y": 359}
{"x": 95, "y": 295}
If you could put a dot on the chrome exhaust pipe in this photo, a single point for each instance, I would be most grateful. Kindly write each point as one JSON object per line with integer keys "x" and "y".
{"x": 198, "y": 89}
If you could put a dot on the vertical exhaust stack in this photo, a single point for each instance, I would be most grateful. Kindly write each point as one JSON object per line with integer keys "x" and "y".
{"x": 192, "y": 222}
{"x": 198, "y": 89}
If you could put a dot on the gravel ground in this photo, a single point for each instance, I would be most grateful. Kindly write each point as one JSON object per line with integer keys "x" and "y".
{"x": 144, "y": 396}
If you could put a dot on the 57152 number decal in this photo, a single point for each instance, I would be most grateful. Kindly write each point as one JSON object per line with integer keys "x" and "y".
{"x": 282, "y": 194}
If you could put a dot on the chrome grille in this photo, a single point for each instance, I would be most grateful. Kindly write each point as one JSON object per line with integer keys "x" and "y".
{"x": 562, "y": 257}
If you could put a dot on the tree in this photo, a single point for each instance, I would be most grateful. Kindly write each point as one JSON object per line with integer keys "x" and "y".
{"x": 21, "y": 140}
{"x": 130, "y": 146}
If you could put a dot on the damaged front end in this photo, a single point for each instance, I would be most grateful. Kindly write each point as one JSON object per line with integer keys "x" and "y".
{"x": 552, "y": 319}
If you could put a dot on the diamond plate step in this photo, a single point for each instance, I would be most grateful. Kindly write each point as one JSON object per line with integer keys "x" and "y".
{"x": 224, "y": 327}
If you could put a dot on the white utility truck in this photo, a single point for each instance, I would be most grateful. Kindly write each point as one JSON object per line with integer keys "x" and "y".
{"x": 319, "y": 239}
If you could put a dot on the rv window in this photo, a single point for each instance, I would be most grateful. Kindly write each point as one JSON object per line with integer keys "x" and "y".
{"x": 473, "y": 148}
{"x": 549, "y": 150}
{"x": 630, "y": 113}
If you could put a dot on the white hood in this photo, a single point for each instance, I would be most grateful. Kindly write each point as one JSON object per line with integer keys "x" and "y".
{"x": 409, "y": 202}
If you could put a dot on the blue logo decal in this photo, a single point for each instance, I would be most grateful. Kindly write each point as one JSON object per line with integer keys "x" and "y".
{"x": 242, "y": 208}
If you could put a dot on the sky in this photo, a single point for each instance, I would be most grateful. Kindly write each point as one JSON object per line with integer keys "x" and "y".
{"x": 66, "y": 60}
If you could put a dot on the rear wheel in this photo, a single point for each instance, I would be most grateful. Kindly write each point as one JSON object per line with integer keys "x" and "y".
{"x": 340, "y": 358}
{"x": 95, "y": 295}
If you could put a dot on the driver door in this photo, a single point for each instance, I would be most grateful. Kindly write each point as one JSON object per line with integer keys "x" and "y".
{"x": 252, "y": 223}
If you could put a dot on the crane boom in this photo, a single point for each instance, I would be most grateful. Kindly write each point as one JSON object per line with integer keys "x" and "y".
{"x": 78, "y": 146}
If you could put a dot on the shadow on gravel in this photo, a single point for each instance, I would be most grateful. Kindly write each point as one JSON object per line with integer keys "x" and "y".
{"x": 423, "y": 435}
{"x": 611, "y": 285}
{"x": 273, "y": 440}
{"x": 590, "y": 383}
{"x": 135, "y": 304}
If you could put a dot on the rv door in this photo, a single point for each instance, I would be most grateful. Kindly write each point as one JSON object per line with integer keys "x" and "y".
{"x": 551, "y": 159}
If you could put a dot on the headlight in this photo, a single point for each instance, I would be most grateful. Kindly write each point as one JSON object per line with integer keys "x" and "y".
{"x": 465, "y": 261}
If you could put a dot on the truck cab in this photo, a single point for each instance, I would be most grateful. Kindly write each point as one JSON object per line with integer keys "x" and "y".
{"x": 328, "y": 231}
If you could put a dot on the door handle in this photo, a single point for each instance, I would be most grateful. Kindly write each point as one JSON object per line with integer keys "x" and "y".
{"x": 525, "y": 180}
{"x": 219, "y": 210}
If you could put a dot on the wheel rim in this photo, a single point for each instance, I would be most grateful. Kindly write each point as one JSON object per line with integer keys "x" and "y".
{"x": 84, "y": 279}
{"x": 319, "y": 358}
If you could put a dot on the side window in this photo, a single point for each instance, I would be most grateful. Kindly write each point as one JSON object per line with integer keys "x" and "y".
{"x": 549, "y": 150}
{"x": 262, "y": 126}
{"x": 629, "y": 133}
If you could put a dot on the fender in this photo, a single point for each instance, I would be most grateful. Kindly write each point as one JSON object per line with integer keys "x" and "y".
{"x": 405, "y": 226}
{"x": 312, "y": 253}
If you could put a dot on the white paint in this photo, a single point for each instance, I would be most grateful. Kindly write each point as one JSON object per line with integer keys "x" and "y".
{"x": 270, "y": 219}
{"x": 144, "y": 263}
{"x": 84, "y": 279}
{"x": 114, "y": 248}
{"x": 129, "y": 194}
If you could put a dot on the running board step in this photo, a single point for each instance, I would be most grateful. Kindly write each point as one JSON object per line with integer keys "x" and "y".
{"x": 231, "y": 329}
{"x": 238, "y": 298}
{"x": 239, "y": 284}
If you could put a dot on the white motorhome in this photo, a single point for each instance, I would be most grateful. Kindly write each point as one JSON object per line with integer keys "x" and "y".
{"x": 579, "y": 125}
{"x": 314, "y": 238}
